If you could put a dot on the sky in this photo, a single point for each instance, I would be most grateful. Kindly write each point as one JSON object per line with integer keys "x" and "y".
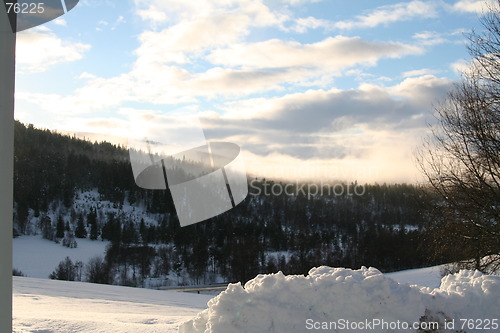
{"x": 309, "y": 89}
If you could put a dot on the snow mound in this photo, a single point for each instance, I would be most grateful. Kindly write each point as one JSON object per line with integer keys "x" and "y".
{"x": 329, "y": 297}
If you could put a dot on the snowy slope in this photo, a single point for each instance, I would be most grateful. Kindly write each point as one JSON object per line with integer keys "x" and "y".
{"x": 38, "y": 257}
{"x": 50, "y": 306}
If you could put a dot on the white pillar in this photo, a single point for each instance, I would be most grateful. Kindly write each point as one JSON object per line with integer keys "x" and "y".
{"x": 7, "y": 77}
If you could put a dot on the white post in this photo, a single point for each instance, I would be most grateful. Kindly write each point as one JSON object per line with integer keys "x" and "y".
{"x": 7, "y": 78}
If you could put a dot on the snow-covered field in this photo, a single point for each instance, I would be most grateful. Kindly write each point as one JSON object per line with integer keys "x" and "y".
{"x": 49, "y": 306}
{"x": 269, "y": 303}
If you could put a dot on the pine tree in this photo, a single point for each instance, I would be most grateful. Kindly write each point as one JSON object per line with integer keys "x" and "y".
{"x": 92, "y": 216}
{"x": 80, "y": 231}
{"x": 143, "y": 230}
{"x": 69, "y": 240}
{"x": 64, "y": 271}
{"x": 92, "y": 220}
{"x": 129, "y": 234}
{"x": 60, "y": 227}
{"x": 94, "y": 231}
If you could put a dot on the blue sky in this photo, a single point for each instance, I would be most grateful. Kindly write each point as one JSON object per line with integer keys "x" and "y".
{"x": 329, "y": 89}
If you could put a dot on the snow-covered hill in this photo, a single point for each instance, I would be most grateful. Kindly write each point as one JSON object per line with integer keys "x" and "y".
{"x": 270, "y": 303}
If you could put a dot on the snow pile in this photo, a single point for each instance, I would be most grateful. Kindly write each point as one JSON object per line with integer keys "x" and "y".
{"x": 467, "y": 295}
{"x": 331, "y": 297}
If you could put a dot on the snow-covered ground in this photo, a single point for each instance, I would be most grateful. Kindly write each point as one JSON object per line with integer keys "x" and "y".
{"x": 37, "y": 257}
{"x": 269, "y": 303}
{"x": 424, "y": 277}
{"x": 49, "y": 306}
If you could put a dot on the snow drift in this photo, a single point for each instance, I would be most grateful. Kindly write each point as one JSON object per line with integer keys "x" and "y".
{"x": 335, "y": 299}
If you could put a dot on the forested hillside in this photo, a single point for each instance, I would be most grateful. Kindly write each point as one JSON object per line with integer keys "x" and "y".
{"x": 67, "y": 188}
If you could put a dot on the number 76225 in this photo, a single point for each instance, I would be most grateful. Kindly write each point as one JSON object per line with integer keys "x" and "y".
{"x": 25, "y": 8}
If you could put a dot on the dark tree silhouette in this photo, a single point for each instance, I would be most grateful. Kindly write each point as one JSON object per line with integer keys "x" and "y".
{"x": 461, "y": 159}
{"x": 66, "y": 270}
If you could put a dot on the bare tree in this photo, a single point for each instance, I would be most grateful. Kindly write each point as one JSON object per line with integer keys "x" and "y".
{"x": 97, "y": 270}
{"x": 461, "y": 158}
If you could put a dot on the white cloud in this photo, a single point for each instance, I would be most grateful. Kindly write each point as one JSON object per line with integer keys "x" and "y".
{"x": 428, "y": 38}
{"x": 152, "y": 14}
{"x": 422, "y": 91}
{"x": 419, "y": 72}
{"x": 302, "y": 25}
{"x": 240, "y": 70}
{"x": 120, "y": 20}
{"x": 177, "y": 11}
{"x": 403, "y": 11}
{"x": 331, "y": 111}
{"x": 176, "y": 8}
{"x": 168, "y": 60}
{"x": 383, "y": 15}
{"x": 166, "y": 71}
{"x": 172, "y": 44}
{"x": 473, "y": 6}
{"x": 332, "y": 53}
{"x": 460, "y": 66}
{"x": 195, "y": 28}
{"x": 61, "y": 22}
{"x": 298, "y": 2}
{"x": 157, "y": 76}
{"x": 431, "y": 38}
{"x": 38, "y": 49}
